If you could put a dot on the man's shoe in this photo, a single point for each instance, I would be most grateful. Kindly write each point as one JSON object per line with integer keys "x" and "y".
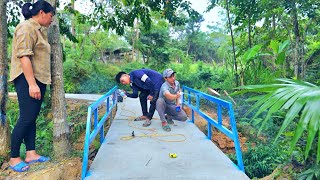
{"x": 169, "y": 120}
{"x": 166, "y": 127}
{"x": 147, "y": 123}
{"x": 140, "y": 118}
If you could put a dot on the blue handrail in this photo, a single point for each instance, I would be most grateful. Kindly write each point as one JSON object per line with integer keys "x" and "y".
{"x": 97, "y": 124}
{"x": 233, "y": 134}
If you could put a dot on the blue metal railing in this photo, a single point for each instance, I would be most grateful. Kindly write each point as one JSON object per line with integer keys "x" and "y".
{"x": 98, "y": 125}
{"x": 233, "y": 134}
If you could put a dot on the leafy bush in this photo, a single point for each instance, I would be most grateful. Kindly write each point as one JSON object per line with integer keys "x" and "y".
{"x": 1, "y": 160}
{"x": 300, "y": 99}
{"x": 201, "y": 76}
{"x": 311, "y": 174}
{"x": 261, "y": 160}
{"x": 74, "y": 73}
{"x": 90, "y": 77}
{"x": 132, "y": 66}
{"x": 97, "y": 83}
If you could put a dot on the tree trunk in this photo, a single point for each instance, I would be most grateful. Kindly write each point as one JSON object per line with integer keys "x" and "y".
{"x": 297, "y": 52}
{"x": 137, "y": 38}
{"x": 61, "y": 145}
{"x": 134, "y": 38}
{"x": 273, "y": 25}
{"x": 249, "y": 32}
{"x": 233, "y": 48}
{"x": 73, "y": 30}
{"x": 133, "y": 50}
{"x": 4, "y": 126}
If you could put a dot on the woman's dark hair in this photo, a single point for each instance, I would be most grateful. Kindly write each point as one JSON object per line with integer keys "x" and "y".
{"x": 29, "y": 10}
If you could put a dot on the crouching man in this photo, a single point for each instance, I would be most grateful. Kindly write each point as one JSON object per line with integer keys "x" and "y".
{"x": 168, "y": 104}
{"x": 148, "y": 82}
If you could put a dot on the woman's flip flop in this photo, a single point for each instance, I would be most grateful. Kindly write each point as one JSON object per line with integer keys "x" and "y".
{"x": 21, "y": 167}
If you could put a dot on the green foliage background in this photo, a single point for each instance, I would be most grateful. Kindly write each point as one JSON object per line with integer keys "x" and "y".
{"x": 167, "y": 34}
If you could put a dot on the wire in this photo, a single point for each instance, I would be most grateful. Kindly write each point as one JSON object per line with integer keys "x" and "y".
{"x": 126, "y": 138}
{"x": 154, "y": 135}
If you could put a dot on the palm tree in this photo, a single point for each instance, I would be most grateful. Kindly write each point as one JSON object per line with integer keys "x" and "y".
{"x": 300, "y": 99}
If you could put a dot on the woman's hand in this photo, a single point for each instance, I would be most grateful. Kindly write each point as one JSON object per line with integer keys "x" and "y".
{"x": 34, "y": 92}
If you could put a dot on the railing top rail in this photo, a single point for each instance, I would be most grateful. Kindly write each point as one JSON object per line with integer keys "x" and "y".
{"x": 209, "y": 97}
{"x": 102, "y": 99}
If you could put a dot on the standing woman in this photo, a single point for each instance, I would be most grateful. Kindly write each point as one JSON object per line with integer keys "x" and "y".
{"x": 30, "y": 73}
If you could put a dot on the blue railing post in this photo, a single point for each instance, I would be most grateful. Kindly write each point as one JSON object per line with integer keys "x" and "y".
{"x": 108, "y": 105}
{"x": 113, "y": 103}
{"x": 198, "y": 101}
{"x": 219, "y": 115}
{"x": 95, "y": 118}
{"x": 209, "y": 130}
{"x": 236, "y": 138}
{"x": 182, "y": 98}
{"x": 192, "y": 116}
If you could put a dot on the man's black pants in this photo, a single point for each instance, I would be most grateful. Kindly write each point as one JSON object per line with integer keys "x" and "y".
{"x": 25, "y": 129}
{"x": 143, "y": 102}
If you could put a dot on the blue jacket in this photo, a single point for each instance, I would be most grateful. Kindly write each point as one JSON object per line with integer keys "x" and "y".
{"x": 145, "y": 79}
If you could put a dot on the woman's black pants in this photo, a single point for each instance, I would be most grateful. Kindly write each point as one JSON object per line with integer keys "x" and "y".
{"x": 25, "y": 129}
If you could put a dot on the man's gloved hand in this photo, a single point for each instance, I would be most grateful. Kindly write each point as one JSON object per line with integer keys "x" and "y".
{"x": 151, "y": 97}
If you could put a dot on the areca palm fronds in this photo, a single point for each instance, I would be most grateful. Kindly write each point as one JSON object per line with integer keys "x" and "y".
{"x": 300, "y": 99}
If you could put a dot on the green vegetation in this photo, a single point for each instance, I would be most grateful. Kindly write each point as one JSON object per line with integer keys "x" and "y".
{"x": 298, "y": 99}
{"x": 262, "y": 159}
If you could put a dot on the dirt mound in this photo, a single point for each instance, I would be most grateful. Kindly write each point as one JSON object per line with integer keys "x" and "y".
{"x": 68, "y": 169}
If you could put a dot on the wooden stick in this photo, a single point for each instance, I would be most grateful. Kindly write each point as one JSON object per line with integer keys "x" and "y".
{"x": 213, "y": 92}
{"x": 226, "y": 93}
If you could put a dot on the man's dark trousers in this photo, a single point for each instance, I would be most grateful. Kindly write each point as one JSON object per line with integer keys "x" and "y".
{"x": 143, "y": 102}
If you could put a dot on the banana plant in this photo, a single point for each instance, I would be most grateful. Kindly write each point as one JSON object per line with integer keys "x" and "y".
{"x": 301, "y": 100}
{"x": 279, "y": 51}
{"x": 250, "y": 64}
{"x": 277, "y": 54}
